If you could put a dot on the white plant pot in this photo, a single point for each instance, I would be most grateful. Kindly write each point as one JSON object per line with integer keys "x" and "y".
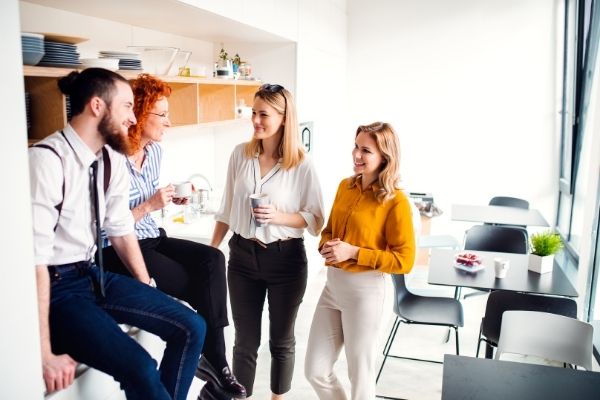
{"x": 541, "y": 265}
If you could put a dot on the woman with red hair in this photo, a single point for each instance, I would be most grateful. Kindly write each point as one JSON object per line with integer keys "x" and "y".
{"x": 187, "y": 270}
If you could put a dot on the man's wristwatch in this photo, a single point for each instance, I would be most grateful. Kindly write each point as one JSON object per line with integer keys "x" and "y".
{"x": 152, "y": 283}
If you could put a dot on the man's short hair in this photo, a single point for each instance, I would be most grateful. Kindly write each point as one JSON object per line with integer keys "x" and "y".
{"x": 82, "y": 86}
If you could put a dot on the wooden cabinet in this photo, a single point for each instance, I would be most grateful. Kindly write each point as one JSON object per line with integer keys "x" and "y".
{"x": 193, "y": 101}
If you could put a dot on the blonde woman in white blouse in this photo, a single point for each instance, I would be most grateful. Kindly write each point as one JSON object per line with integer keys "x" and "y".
{"x": 268, "y": 261}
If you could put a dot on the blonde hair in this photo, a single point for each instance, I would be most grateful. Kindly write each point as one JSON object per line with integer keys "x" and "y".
{"x": 282, "y": 101}
{"x": 387, "y": 143}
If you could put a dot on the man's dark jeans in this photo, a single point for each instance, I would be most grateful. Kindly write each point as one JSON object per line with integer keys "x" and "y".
{"x": 84, "y": 325}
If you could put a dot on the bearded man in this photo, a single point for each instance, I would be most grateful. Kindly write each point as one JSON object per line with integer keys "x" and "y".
{"x": 79, "y": 186}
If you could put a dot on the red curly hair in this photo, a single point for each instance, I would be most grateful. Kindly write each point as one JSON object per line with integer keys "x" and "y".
{"x": 147, "y": 90}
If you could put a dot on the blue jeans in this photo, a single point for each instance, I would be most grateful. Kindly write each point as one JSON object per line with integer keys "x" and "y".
{"x": 84, "y": 325}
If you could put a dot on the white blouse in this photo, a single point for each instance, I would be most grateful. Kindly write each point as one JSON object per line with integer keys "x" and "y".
{"x": 296, "y": 190}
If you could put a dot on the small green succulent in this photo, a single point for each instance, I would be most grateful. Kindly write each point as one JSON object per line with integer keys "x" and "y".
{"x": 545, "y": 243}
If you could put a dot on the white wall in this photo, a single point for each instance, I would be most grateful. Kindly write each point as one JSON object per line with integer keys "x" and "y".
{"x": 20, "y": 363}
{"x": 322, "y": 92}
{"x": 470, "y": 86}
{"x": 275, "y": 16}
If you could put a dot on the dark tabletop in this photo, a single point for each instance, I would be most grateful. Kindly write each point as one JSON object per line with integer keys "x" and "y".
{"x": 518, "y": 278}
{"x": 467, "y": 378}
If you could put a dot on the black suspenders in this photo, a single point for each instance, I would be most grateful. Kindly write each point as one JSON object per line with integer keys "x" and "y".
{"x": 107, "y": 170}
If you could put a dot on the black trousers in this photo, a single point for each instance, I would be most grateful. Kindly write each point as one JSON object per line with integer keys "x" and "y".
{"x": 192, "y": 272}
{"x": 277, "y": 273}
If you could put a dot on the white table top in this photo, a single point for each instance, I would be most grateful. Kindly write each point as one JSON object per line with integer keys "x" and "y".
{"x": 497, "y": 215}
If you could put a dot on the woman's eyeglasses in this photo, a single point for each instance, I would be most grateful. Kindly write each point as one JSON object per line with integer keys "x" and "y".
{"x": 162, "y": 115}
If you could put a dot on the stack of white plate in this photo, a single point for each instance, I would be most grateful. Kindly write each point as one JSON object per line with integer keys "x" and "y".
{"x": 106, "y": 63}
{"x": 58, "y": 54}
{"x": 32, "y": 46}
{"x": 127, "y": 60}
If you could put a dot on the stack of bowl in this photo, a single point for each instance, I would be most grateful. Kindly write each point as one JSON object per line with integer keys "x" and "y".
{"x": 32, "y": 46}
{"x": 106, "y": 63}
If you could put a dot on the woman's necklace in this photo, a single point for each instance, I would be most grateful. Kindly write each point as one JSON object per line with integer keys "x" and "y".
{"x": 138, "y": 158}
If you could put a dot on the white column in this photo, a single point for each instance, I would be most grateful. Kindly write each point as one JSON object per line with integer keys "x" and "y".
{"x": 20, "y": 363}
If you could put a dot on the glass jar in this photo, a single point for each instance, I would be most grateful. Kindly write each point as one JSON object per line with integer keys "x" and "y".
{"x": 224, "y": 69}
{"x": 245, "y": 70}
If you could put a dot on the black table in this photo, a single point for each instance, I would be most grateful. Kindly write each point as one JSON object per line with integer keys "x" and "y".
{"x": 497, "y": 215}
{"x": 467, "y": 378}
{"x": 518, "y": 278}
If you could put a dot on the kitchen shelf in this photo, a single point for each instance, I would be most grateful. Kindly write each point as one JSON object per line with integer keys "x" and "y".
{"x": 193, "y": 101}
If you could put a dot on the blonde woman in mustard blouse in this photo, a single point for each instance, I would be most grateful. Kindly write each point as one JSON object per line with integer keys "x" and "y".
{"x": 369, "y": 234}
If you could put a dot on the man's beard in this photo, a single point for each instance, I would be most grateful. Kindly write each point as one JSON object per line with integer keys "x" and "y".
{"x": 111, "y": 132}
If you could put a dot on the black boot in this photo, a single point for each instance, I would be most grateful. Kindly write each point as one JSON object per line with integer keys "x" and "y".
{"x": 210, "y": 391}
{"x": 223, "y": 380}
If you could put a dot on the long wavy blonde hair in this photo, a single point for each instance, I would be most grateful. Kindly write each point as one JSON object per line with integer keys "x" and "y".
{"x": 282, "y": 101}
{"x": 387, "y": 143}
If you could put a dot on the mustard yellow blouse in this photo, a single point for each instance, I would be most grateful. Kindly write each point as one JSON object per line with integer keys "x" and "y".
{"x": 384, "y": 232}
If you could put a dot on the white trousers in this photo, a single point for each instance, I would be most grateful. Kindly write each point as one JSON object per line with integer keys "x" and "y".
{"x": 349, "y": 313}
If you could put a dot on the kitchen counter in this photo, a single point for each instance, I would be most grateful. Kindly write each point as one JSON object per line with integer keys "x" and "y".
{"x": 200, "y": 230}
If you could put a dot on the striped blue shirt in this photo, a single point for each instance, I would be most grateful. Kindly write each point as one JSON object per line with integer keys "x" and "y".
{"x": 143, "y": 185}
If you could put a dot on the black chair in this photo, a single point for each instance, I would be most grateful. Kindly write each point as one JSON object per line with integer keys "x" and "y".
{"x": 500, "y": 301}
{"x": 421, "y": 310}
{"x": 509, "y": 202}
{"x": 496, "y": 238}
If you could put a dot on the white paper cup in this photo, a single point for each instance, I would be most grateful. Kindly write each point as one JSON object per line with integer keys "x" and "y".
{"x": 256, "y": 200}
{"x": 501, "y": 266}
{"x": 183, "y": 190}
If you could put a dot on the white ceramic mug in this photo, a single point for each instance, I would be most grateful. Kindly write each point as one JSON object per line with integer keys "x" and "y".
{"x": 501, "y": 266}
{"x": 183, "y": 190}
{"x": 256, "y": 200}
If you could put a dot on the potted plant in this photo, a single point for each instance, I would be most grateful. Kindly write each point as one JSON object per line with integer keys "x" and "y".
{"x": 223, "y": 69}
{"x": 544, "y": 246}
